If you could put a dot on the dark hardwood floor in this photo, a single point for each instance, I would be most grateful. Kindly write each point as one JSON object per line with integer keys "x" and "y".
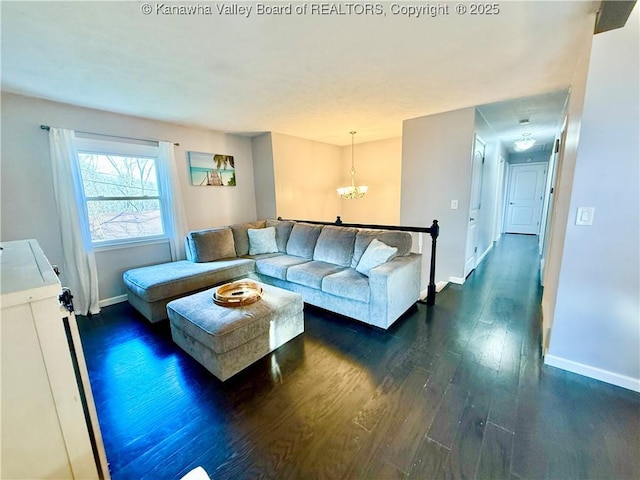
{"x": 454, "y": 391}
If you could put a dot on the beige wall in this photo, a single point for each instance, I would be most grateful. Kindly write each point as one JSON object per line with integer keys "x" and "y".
{"x": 27, "y": 201}
{"x": 379, "y": 166}
{"x": 297, "y": 178}
{"x": 306, "y": 174}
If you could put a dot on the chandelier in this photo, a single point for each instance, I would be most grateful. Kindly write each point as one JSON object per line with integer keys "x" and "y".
{"x": 352, "y": 192}
{"x": 525, "y": 143}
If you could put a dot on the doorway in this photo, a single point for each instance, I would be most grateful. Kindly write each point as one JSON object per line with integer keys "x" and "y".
{"x": 471, "y": 259}
{"x": 525, "y": 197}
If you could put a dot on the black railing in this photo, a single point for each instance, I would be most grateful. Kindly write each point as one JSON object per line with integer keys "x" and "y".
{"x": 433, "y": 230}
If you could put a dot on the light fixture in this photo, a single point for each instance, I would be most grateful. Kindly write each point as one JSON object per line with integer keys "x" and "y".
{"x": 525, "y": 143}
{"x": 352, "y": 192}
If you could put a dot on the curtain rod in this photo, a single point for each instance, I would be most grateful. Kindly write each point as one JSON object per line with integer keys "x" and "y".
{"x": 47, "y": 128}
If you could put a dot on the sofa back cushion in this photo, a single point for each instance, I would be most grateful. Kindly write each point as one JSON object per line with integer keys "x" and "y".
{"x": 241, "y": 238}
{"x": 211, "y": 244}
{"x": 401, "y": 240}
{"x": 283, "y": 230}
{"x": 335, "y": 245}
{"x": 302, "y": 240}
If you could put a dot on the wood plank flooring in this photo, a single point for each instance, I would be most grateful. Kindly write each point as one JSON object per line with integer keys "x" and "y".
{"x": 454, "y": 391}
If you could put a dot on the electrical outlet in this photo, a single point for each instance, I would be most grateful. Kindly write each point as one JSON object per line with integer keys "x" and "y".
{"x": 454, "y": 204}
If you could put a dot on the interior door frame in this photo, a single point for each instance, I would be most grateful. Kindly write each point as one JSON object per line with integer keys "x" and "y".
{"x": 471, "y": 260}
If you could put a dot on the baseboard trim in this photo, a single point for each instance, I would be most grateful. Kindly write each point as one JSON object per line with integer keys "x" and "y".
{"x": 105, "y": 302}
{"x": 439, "y": 287}
{"x": 486, "y": 252}
{"x": 593, "y": 372}
{"x": 456, "y": 280}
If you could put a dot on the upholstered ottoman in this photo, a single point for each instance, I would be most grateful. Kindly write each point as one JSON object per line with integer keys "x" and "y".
{"x": 225, "y": 340}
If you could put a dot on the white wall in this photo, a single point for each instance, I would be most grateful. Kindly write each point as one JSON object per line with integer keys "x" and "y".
{"x": 28, "y": 206}
{"x": 596, "y": 323}
{"x": 559, "y": 211}
{"x": 530, "y": 157}
{"x": 379, "y": 166}
{"x": 500, "y": 200}
{"x": 436, "y": 168}
{"x": 490, "y": 186}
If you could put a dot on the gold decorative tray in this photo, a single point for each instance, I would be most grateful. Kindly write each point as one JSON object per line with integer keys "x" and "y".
{"x": 237, "y": 294}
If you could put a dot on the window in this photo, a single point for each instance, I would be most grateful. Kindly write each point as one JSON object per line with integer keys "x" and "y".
{"x": 121, "y": 192}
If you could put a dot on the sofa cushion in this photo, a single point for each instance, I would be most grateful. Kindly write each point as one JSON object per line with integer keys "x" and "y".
{"x": 335, "y": 245}
{"x": 241, "y": 238}
{"x": 347, "y": 284}
{"x": 157, "y": 282}
{"x": 277, "y": 266}
{"x": 401, "y": 240}
{"x": 211, "y": 244}
{"x": 375, "y": 255}
{"x": 302, "y": 240}
{"x": 283, "y": 230}
{"x": 262, "y": 240}
{"x": 311, "y": 273}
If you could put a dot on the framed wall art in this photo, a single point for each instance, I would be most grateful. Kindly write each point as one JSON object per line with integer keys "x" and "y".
{"x": 212, "y": 169}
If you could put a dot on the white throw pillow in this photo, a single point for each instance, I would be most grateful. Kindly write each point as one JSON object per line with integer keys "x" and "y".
{"x": 375, "y": 255}
{"x": 262, "y": 240}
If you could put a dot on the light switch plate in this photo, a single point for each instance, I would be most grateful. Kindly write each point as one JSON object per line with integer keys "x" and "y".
{"x": 585, "y": 216}
{"x": 454, "y": 204}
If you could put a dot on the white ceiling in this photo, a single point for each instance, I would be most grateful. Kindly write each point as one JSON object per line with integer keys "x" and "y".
{"x": 310, "y": 76}
{"x": 544, "y": 113}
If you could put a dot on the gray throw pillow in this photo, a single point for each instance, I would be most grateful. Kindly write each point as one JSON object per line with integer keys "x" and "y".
{"x": 302, "y": 240}
{"x": 213, "y": 244}
{"x": 375, "y": 255}
{"x": 262, "y": 240}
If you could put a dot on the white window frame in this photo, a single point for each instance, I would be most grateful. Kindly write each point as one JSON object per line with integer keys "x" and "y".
{"x": 91, "y": 145}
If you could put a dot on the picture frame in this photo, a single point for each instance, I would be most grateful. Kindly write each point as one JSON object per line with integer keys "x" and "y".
{"x": 211, "y": 169}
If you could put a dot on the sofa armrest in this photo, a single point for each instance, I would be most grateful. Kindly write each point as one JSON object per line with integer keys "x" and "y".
{"x": 395, "y": 286}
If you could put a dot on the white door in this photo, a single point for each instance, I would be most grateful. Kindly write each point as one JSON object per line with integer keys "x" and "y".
{"x": 474, "y": 207}
{"x": 524, "y": 201}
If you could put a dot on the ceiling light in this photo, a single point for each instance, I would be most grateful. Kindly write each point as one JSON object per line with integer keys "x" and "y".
{"x": 525, "y": 143}
{"x": 352, "y": 192}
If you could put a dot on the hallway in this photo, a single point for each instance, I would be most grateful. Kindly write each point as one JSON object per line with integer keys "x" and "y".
{"x": 454, "y": 391}
{"x": 564, "y": 425}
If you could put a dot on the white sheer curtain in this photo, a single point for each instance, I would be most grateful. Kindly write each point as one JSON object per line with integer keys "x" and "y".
{"x": 174, "y": 206}
{"x": 79, "y": 269}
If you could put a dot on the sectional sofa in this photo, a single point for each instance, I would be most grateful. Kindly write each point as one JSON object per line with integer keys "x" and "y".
{"x": 340, "y": 269}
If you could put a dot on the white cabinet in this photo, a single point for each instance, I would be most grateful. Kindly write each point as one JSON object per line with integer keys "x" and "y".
{"x": 49, "y": 423}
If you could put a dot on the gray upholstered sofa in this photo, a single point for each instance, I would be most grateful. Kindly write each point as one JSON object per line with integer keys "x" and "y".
{"x": 323, "y": 263}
